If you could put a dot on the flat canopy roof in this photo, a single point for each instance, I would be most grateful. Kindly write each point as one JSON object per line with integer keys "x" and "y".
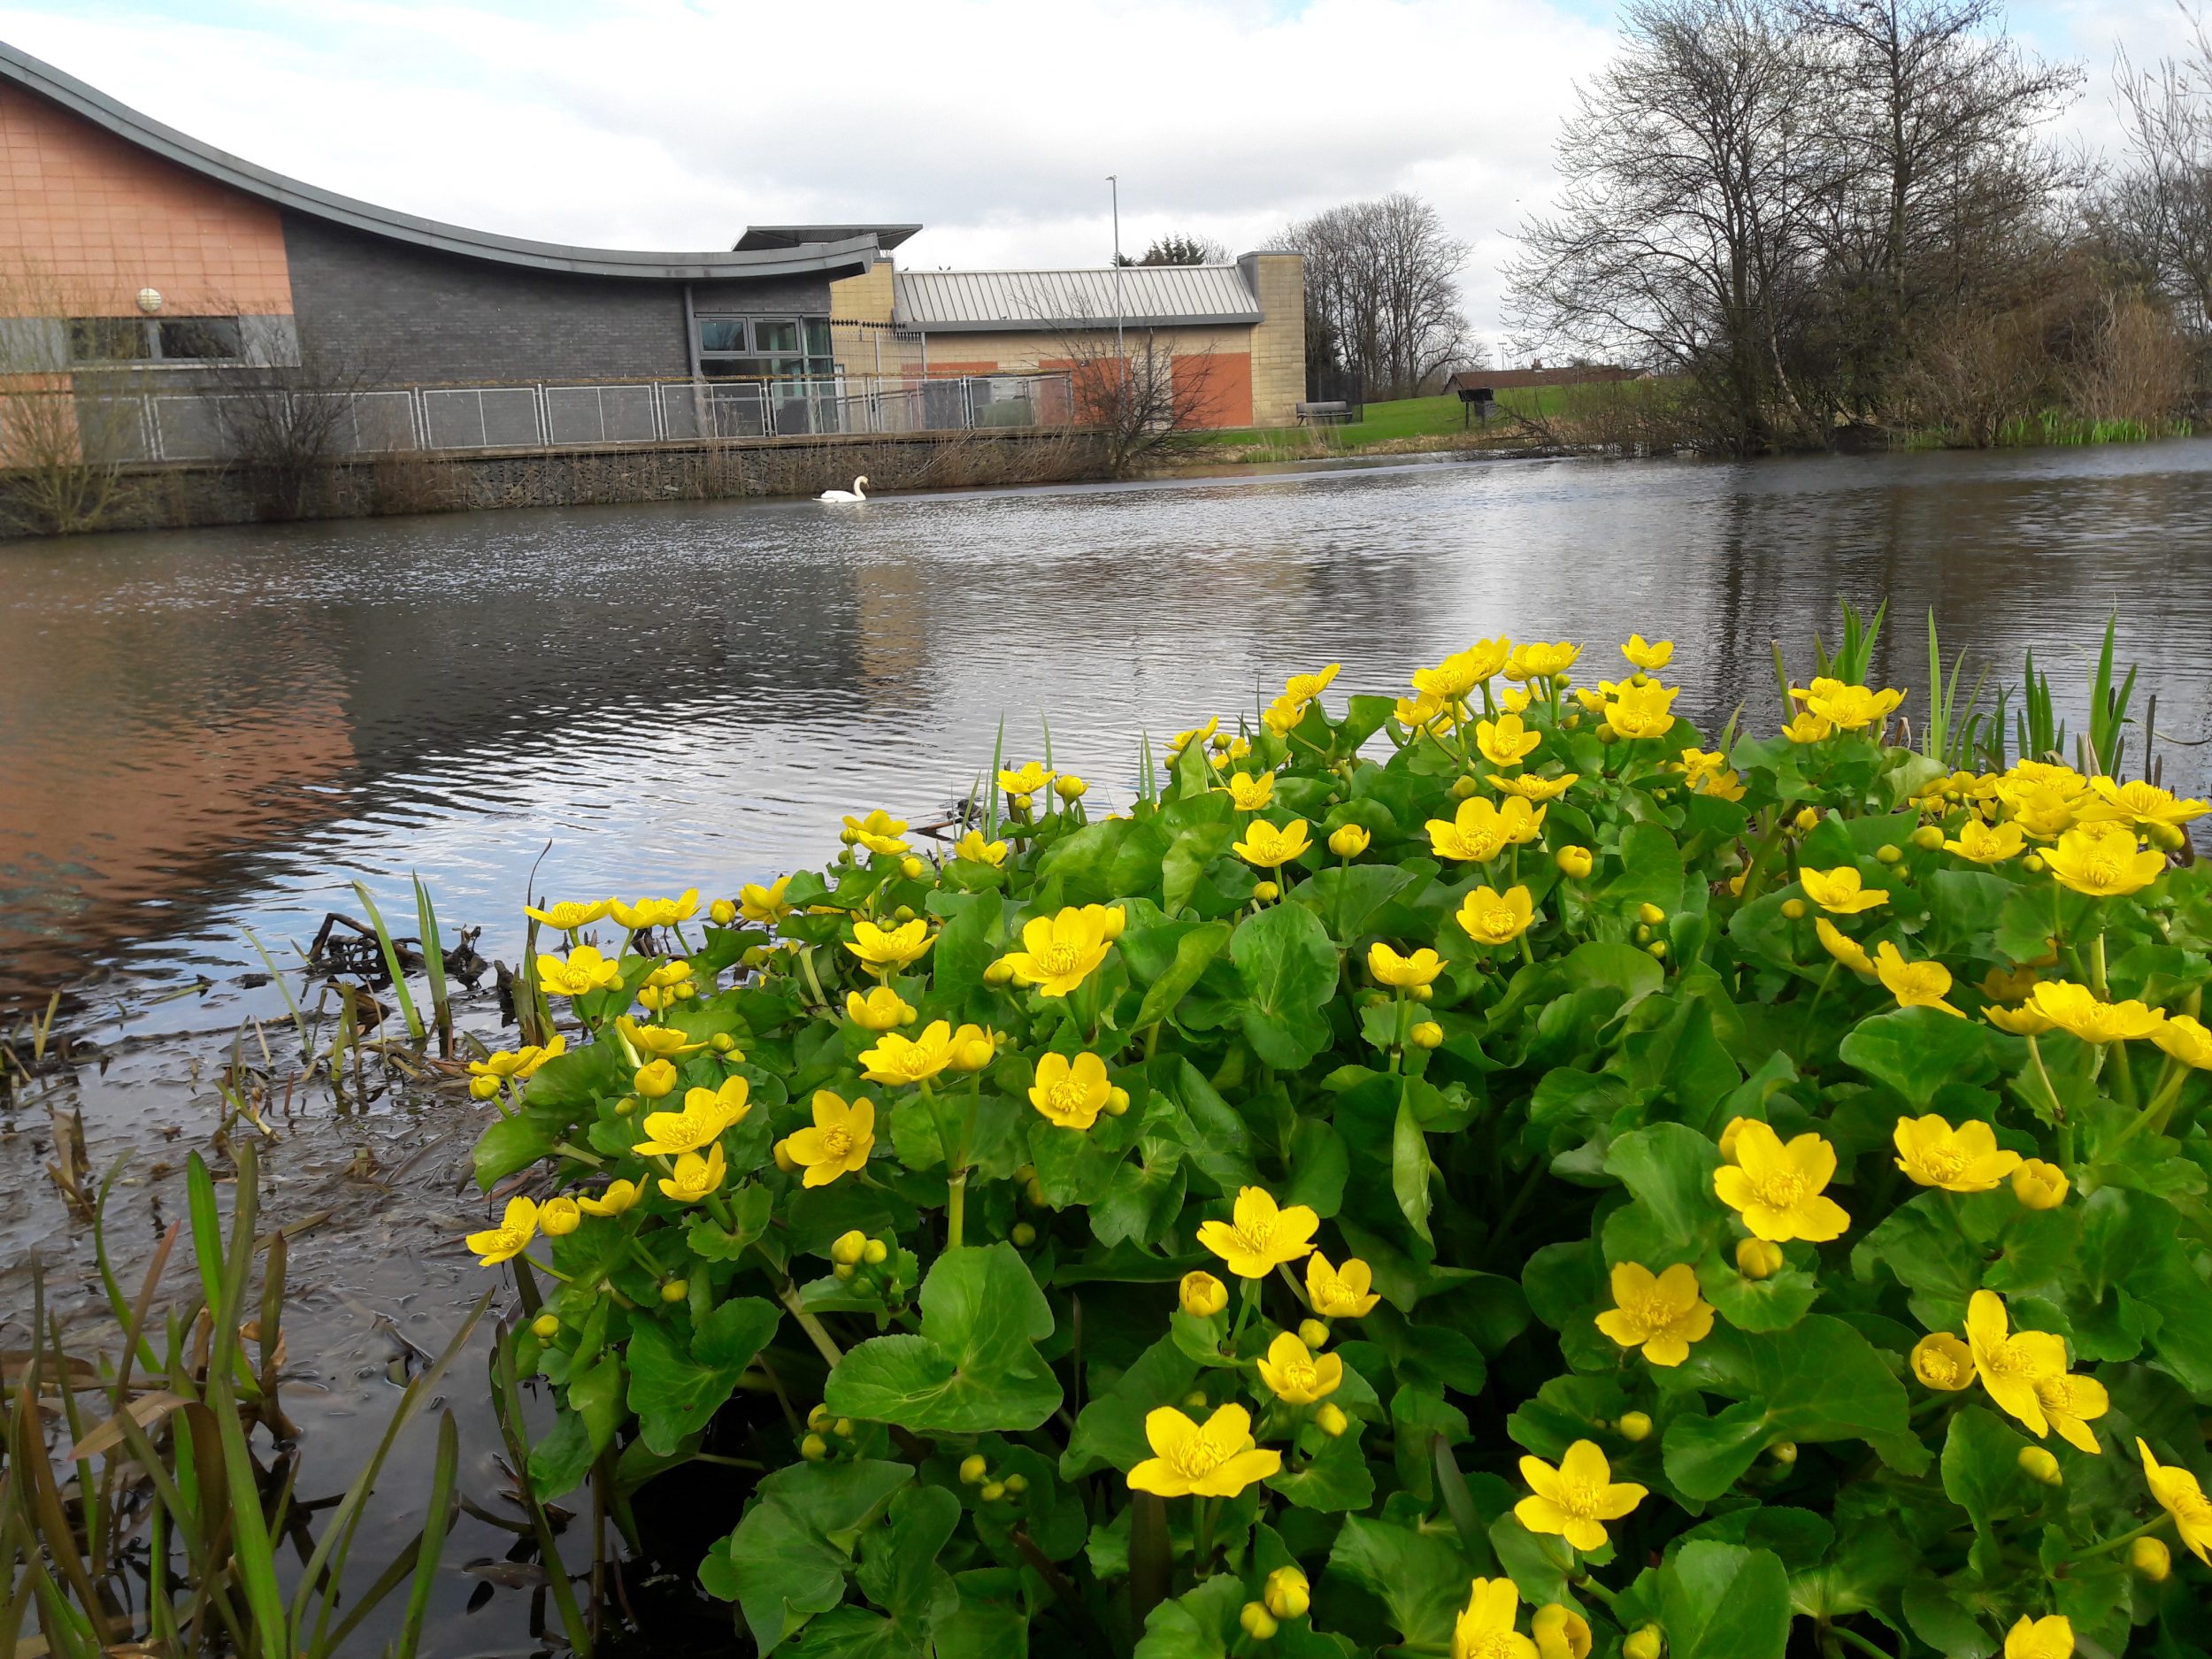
{"x": 977, "y": 301}
{"x": 759, "y": 238}
{"x": 843, "y": 255}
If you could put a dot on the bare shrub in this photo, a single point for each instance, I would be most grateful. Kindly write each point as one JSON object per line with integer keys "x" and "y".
{"x": 66, "y": 432}
{"x": 2132, "y": 363}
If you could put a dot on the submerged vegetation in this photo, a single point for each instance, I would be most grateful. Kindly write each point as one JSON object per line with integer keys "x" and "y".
{"x": 1481, "y": 1172}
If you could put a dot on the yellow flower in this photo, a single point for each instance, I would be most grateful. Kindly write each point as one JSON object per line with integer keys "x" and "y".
{"x": 1389, "y": 968}
{"x": 1847, "y": 708}
{"x": 662, "y": 1042}
{"x": 2075, "y": 1007}
{"x": 1496, "y": 919}
{"x": 1574, "y": 861}
{"x": 2070, "y": 1402}
{"x": 2023, "y": 1021}
{"x": 517, "y": 1227}
{"x": 1297, "y": 1376}
{"x": 1260, "y": 1236}
{"x": 1533, "y": 789}
{"x": 1807, "y": 728}
{"x": 878, "y": 832}
{"x": 1966, "y": 1159}
{"x": 2039, "y": 1186}
{"x": 838, "y": 1143}
{"x": 896, "y": 1059}
{"x": 1842, "y": 946}
{"x": 707, "y": 1112}
{"x": 1460, "y": 674}
{"x": 757, "y": 904}
{"x": 1777, "y": 1189}
{"x": 1202, "y": 1295}
{"x": 2051, "y": 1637}
{"x": 1840, "y": 891}
{"x": 1484, "y": 1629}
{"x": 1059, "y": 952}
{"x": 1914, "y": 984}
{"x": 1349, "y": 840}
{"x": 882, "y": 950}
{"x": 655, "y": 912}
{"x": 1306, "y": 688}
{"x": 568, "y": 916}
{"x": 1286, "y": 1593}
{"x": 696, "y": 1177}
{"x": 1574, "y": 1501}
{"x": 1645, "y": 710}
{"x": 2141, "y": 802}
{"x": 1560, "y": 1631}
{"x": 1026, "y": 779}
{"x": 973, "y": 1047}
{"x": 1070, "y": 1093}
{"x": 1649, "y": 658}
{"x": 2181, "y": 1496}
{"x": 1424, "y": 710}
{"x": 521, "y": 1063}
{"x": 1481, "y": 828}
{"x": 977, "y": 850}
{"x": 586, "y": 971}
{"x": 1268, "y": 848}
{"x": 878, "y": 1008}
{"x": 2187, "y": 1039}
{"x": 1250, "y": 793}
{"x": 1515, "y": 701}
{"x": 1198, "y": 734}
{"x": 654, "y": 1079}
{"x": 1215, "y": 1459}
{"x": 619, "y": 1196}
{"x": 1281, "y": 717}
{"x": 1505, "y": 742}
{"x": 1340, "y": 1293}
{"x": 1660, "y": 1313}
{"x": 1538, "y": 661}
{"x": 1985, "y": 845}
{"x": 1943, "y": 1362}
{"x": 2010, "y": 1363}
{"x": 2103, "y": 861}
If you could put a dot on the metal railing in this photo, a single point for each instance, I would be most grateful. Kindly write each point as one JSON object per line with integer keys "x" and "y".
{"x": 195, "y": 426}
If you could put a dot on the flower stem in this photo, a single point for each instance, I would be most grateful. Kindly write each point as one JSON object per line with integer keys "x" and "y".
{"x": 1202, "y": 1547}
{"x": 2124, "y": 1539}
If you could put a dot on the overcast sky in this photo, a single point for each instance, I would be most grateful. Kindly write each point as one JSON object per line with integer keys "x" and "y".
{"x": 671, "y": 124}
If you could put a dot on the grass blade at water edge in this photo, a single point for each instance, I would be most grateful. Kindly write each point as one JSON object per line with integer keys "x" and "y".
{"x": 391, "y": 963}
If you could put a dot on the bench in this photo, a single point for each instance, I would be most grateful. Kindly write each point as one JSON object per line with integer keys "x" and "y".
{"x": 1332, "y": 413}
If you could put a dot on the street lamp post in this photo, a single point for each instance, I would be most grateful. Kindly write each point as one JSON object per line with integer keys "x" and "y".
{"x": 1121, "y": 354}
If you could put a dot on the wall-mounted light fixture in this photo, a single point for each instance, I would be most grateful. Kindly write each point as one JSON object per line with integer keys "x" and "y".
{"x": 149, "y": 300}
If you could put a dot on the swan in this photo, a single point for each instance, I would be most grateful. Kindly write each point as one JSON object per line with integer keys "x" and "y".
{"x": 855, "y": 494}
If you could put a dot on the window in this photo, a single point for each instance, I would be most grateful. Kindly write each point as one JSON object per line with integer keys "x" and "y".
{"x": 721, "y": 333}
{"x": 775, "y": 333}
{"x": 766, "y": 348}
{"x": 155, "y": 339}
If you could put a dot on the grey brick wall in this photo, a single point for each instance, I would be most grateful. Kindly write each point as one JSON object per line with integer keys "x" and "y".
{"x": 408, "y": 314}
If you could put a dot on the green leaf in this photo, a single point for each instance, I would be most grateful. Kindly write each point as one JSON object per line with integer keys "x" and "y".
{"x": 1214, "y": 1137}
{"x": 1346, "y": 896}
{"x": 1918, "y": 1050}
{"x": 675, "y": 1393}
{"x": 788, "y": 1558}
{"x": 1200, "y": 1624}
{"x": 1192, "y": 953}
{"x": 898, "y": 1560}
{"x": 991, "y": 1622}
{"x": 1651, "y": 870}
{"x": 1420, "y": 1577}
{"x": 1723, "y": 1602}
{"x": 1982, "y": 1475}
{"x": 974, "y": 1367}
{"x": 1410, "y": 1168}
{"x": 1109, "y": 1433}
{"x": 1319, "y": 1165}
{"x": 1668, "y": 1168}
{"x": 1289, "y": 969}
{"x": 1336, "y": 1479}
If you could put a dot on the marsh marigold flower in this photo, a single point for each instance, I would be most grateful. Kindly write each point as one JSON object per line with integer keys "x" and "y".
{"x": 878, "y": 832}
{"x": 1214, "y": 1459}
{"x": 1943, "y": 1362}
{"x": 973, "y": 848}
{"x": 1260, "y": 1235}
{"x": 518, "y": 1065}
{"x": 1650, "y": 656}
{"x": 1966, "y": 1159}
{"x": 2069, "y": 1402}
{"x": 569, "y": 916}
{"x": 1847, "y": 708}
{"x": 517, "y": 1226}
{"x": 2185, "y": 1039}
{"x": 652, "y": 912}
{"x": 1641, "y": 711}
{"x": 1777, "y": 1189}
{"x": 2010, "y": 1363}
{"x": 2102, "y": 861}
{"x": 838, "y": 1143}
{"x": 898, "y": 1059}
{"x": 655, "y": 1080}
{"x": 695, "y": 1177}
{"x": 1340, "y": 1293}
{"x": 1841, "y": 891}
{"x": 2076, "y": 1009}
{"x": 619, "y": 1196}
{"x": 586, "y": 971}
{"x": 1484, "y": 1628}
{"x": 1248, "y": 793}
{"x": 1575, "y": 1500}
{"x": 1461, "y": 672}
{"x": 1286, "y": 1593}
{"x": 1070, "y": 1093}
{"x": 1984, "y": 844}
{"x": 1574, "y": 862}
{"x": 1538, "y": 660}
{"x": 1489, "y": 917}
{"x": 2051, "y": 1637}
{"x": 1914, "y": 984}
{"x": 2039, "y": 1186}
{"x": 1026, "y": 779}
{"x": 1202, "y": 1295}
{"x": 1559, "y": 1633}
{"x": 2177, "y": 1493}
{"x": 1295, "y": 1375}
{"x": 766, "y": 905}
{"x": 880, "y": 1007}
{"x": 706, "y": 1113}
{"x": 2140, "y": 802}
{"x": 1807, "y": 728}
{"x": 1420, "y": 967}
{"x": 1842, "y": 946}
{"x": 1481, "y": 828}
{"x": 882, "y": 950}
{"x": 1505, "y": 742}
{"x": 1349, "y": 840}
{"x": 1059, "y": 952}
{"x": 1535, "y": 790}
{"x": 1660, "y": 1313}
{"x": 1268, "y": 848}
{"x": 662, "y": 1043}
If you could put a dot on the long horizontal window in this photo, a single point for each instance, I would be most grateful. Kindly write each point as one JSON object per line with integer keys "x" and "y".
{"x": 766, "y": 348}
{"x": 94, "y": 339}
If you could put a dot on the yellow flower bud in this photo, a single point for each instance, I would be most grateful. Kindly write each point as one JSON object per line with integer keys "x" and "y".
{"x": 1068, "y": 787}
{"x": 1203, "y": 1295}
{"x": 1116, "y": 1100}
{"x": 911, "y": 867}
{"x": 844, "y": 1269}
{"x": 1195, "y": 1400}
{"x": 2038, "y": 1464}
{"x": 675, "y": 1290}
{"x": 1266, "y": 892}
{"x": 1573, "y": 862}
{"x": 1313, "y": 1333}
{"x": 814, "y": 1448}
{"x": 972, "y": 1469}
{"x": 721, "y": 912}
{"x": 999, "y": 973}
{"x": 1015, "y": 1484}
{"x": 1795, "y": 909}
{"x": 1644, "y": 1642}
{"x": 1635, "y": 1425}
{"x": 1757, "y": 1258}
{"x": 624, "y": 1107}
{"x": 843, "y": 1428}
{"x": 1890, "y": 853}
{"x": 1020, "y": 803}
{"x": 1330, "y": 1420}
{"x": 1024, "y": 1235}
{"x": 1807, "y": 818}
{"x": 2032, "y": 864}
{"x": 783, "y": 1158}
{"x": 1783, "y": 1451}
{"x": 1657, "y": 951}
{"x": 848, "y": 1248}
{"x": 875, "y": 1252}
{"x": 2039, "y": 1186}
{"x": 2150, "y": 1557}
{"x": 1287, "y": 1593}
{"x": 545, "y": 1327}
{"x": 1650, "y": 915}
{"x": 1461, "y": 788}
{"x": 1928, "y": 837}
{"x": 1427, "y": 1034}
{"x": 722, "y": 1042}
{"x": 1033, "y": 1190}
{"x": 820, "y": 1419}
{"x": 2170, "y": 837}
{"x": 559, "y": 1217}
{"x": 1350, "y": 842}
{"x": 992, "y": 1491}
{"x": 655, "y": 1080}
{"x": 1258, "y": 1623}
{"x": 483, "y": 1087}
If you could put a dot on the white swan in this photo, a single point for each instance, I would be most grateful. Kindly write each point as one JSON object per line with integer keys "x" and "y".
{"x": 855, "y": 494}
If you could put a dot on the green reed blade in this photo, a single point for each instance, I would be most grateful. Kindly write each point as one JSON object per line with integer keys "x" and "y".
{"x": 299, "y": 1021}
{"x": 391, "y": 963}
{"x": 434, "y": 961}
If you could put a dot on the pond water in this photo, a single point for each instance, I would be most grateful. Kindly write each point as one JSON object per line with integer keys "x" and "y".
{"x": 209, "y": 731}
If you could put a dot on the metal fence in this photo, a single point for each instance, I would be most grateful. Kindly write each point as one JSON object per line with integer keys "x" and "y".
{"x": 196, "y": 424}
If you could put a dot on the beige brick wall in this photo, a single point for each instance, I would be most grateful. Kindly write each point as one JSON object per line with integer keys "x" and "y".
{"x": 1278, "y": 343}
{"x": 860, "y": 319}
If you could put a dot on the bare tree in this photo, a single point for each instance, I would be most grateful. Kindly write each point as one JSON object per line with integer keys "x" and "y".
{"x": 71, "y": 414}
{"x": 1382, "y": 290}
{"x": 1140, "y": 396}
{"x": 283, "y": 427}
{"x": 2158, "y": 211}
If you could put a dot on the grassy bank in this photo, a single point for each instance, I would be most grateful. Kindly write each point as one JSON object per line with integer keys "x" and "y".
{"x": 1402, "y": 424}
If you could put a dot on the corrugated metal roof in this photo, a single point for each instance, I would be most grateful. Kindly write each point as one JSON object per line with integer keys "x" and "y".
{"x": 946, "y": 302}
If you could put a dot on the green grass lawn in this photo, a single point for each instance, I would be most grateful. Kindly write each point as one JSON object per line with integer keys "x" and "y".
{"x": 1401, "y": 418}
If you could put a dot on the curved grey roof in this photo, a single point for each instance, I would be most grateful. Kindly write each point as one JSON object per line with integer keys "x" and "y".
{"x": 978, "y": 302}
{"x": 846, "y": 256}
